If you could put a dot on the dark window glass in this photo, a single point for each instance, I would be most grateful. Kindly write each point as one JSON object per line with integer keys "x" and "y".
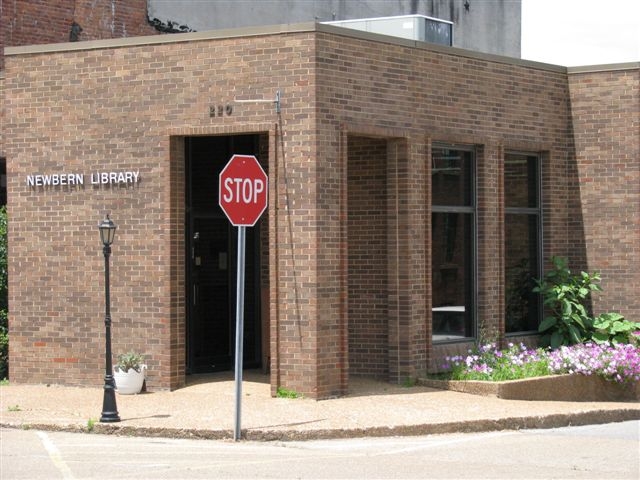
{"x": 522, "y": 242}
{"x": 453, "y": 237}
{"x": 452, "y": 177}
{"x": 3, "y": 182}
{"x": 521, "y": 267}
{"x": 452, "y": 275}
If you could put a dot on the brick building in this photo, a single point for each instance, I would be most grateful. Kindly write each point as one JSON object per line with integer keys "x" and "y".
{"x": 414, "y": 191}
{"x": 35, "y": 22}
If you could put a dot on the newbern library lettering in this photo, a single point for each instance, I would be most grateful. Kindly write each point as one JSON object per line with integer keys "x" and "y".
{"x": 414, "y": 190}
{"x": 97, "y": 178}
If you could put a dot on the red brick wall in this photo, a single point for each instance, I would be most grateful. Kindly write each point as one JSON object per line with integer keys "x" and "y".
{"x": 29, "y": 22}
{"x": 368, "y": 246}
{"x": 112, "y": 19}
{"x": 32, "y": 22}
{"x": 605, "y": 212}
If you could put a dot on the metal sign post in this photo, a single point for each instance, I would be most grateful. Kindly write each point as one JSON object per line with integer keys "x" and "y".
{"x": 243, "y": 194}
{"x": 239, "y": 330}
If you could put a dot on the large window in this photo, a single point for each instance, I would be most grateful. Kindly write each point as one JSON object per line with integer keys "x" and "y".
{"x": 522, "y": 228}
{"x": 453, "y": 234}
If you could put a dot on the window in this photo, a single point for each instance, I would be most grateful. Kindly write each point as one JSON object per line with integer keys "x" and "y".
{"x": 453, "y": 245}
{"x": 522, "y": 228}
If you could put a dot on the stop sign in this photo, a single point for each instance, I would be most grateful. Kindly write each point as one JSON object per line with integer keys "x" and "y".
{"x": 243, "y": 190}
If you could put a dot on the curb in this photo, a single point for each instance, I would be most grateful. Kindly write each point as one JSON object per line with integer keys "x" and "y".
{"x": 594, "y": 417}
{"x": 565, "y": 388}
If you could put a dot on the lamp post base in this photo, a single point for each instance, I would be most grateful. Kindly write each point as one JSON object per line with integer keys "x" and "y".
{"x": 109, "y": 407}
{"x": 109, "y": 417}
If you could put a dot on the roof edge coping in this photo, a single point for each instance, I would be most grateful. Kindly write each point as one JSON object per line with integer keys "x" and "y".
{"x": 608, "y": 67}
{"x": 460, "y": 52}
{"x": 159, "y": 39}
{"x": 299, "y": 28}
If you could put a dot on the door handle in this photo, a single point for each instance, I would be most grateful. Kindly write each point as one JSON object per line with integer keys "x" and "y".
{"x": 196, "y": 240}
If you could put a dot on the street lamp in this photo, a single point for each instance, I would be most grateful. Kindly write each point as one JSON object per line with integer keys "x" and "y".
{"x": 109, "y": 407}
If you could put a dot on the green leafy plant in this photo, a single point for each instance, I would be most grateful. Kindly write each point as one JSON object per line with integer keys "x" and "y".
{"x": 614, "y": 328}
{"x": 409, "y": 382}
{"x": 14, "y": 408}
{"x": 519, "y": 283}
{"x": 286, "y": 393}
{"x": 91, "y": 424}
{"x": 4, "y": 352}
{"x": 566, "y": 296}
{"x": 130, "y": 360}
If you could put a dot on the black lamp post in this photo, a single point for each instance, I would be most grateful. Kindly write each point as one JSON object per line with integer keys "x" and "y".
{"x": 109, "y": 407}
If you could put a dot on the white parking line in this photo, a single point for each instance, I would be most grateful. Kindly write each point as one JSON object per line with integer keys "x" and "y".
{"x": 394, "y": 446}
{"x": 55, "y": 456}
{"x": 435, "y": 444}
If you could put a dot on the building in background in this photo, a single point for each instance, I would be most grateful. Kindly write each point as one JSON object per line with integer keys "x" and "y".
{"x": 415, "y": 189}
{"x": 489, "y": 27}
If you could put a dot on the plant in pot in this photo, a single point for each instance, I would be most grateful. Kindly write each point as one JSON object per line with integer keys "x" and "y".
{"x": 129, "y": 373}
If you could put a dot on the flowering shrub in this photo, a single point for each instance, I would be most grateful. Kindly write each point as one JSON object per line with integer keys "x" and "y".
{"x": 620, "y": 362}
{"x": 486, "y": 362}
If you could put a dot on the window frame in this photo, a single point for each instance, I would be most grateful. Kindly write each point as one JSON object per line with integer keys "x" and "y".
{"x": 461, "y": 209}
{"x": 528, "y": 211}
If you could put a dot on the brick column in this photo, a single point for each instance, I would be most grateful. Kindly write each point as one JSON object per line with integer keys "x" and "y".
{"x": 490, "y": 242}
{"x": 175, "y": 371}
{"x": 308, "y": 335}
{"x": 407, "y": 258}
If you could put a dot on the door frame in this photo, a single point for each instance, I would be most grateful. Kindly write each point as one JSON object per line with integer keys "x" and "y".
{"x": 253, "y": 357}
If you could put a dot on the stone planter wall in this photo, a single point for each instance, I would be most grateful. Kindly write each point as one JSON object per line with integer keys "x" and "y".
{"x": 568, "y": 388}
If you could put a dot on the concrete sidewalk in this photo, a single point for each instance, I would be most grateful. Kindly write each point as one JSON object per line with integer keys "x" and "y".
{"x": 205, "y": 409}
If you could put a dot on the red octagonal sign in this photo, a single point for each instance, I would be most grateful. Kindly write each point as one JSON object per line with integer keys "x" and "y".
{"x": 243, "y": 190}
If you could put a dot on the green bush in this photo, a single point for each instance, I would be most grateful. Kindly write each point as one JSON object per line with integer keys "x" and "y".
{"x": 286, "y": 393}
{"x": 614, "y": 328}
{"x": 4, "y": 355}
{"x": 566, "y": 296}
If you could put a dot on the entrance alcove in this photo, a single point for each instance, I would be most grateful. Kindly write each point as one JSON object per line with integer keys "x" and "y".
{"x": 367, "y": 257}
{"x": 374, "y": 165}
{"x": 210, "y": 252}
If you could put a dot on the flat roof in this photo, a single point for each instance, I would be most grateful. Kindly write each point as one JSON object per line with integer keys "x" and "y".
{"x": 300, "y": 28}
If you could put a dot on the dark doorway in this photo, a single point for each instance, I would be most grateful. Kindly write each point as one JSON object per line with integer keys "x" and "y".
{"x": 211, "y": 261}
